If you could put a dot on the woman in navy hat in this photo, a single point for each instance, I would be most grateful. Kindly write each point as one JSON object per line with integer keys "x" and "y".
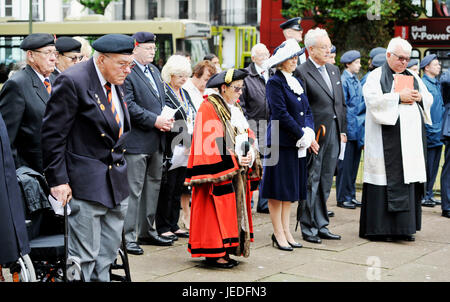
{"x": 289, "y": 134}
{"x": 223, "y": 170}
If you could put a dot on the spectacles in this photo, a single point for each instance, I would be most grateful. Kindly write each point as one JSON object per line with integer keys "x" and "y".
{"x": 155, "y": 49}
{"x": 123, "y": 65}
{"x": 401, "y": 58}
{"x": 237, "y": 89}
{"x": 74, "y": 58}
{"x": 47, "y": 53}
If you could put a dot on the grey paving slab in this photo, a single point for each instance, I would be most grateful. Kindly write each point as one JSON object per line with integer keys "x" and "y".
{"x": 415, "y": 272}
{"x": 284, "y": 277}
{"x": 335, "y": 271}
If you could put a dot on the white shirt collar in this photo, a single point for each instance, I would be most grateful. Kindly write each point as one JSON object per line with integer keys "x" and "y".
{"x": 100, "y": 75}
{"x": 315, "y": 64}
{"x": 142, "y": 67}
{"x": 259, "y": 69}
{"x": 41, "y": 77}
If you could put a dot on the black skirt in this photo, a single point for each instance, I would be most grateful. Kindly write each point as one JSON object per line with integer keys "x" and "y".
{"x": 377, "y": 220}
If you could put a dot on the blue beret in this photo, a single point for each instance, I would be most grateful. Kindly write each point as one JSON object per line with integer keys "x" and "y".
{"x": 379, "y": 60}
{"x": 412, "y": 63}
{"x": 376, "y": 50}
{"x": 144, "y": 37}
{"x": 38, "y": 40}
{"x": 114, "y": 43}
{"x": 427, "y": 60}
{"x": 67, "y": 44}
{"x": 350, "y": 56}
{"x": 293, "y": 23}
{"x": 333, "y": 49}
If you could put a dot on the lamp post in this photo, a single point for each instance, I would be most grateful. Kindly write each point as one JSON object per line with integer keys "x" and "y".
{"x": 30, "y": 17}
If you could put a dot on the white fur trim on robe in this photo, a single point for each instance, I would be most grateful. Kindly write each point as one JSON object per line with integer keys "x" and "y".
{"x": 384, "y": 109}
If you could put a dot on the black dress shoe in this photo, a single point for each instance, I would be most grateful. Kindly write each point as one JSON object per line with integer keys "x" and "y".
{"x": 158, "y": 240}
{"x": 182, "y": 234}
{"x": 446, "y": 214}
{"x": 283, "y": 248}
{"x": 346, "y": 205}
{"x": 356, "y": 203}
{"x": 169, "y": 237}
{"x": 295, "y": 245}
{"x": 427, "y": 203}
{"x": 134, "y": 248}
{"x": 329, "y": 235}
{"x": 407, "y": 237}
{"x": 381, "y": 238}
{"x": 264, "y": 211}
{"x": 232, "y": 261}
{"x": 436, "y": 201}
{"x": 330, "y": 214}
{"x": 312, "y": 239}
{"x": 213, "y": 263}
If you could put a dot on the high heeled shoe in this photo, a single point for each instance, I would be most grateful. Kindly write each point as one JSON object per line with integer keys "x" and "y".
{"x": 295, "y": 245}
{"x": 283, "y": 248}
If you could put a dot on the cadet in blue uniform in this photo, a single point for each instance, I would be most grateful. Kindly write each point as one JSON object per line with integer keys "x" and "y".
{"x": 432, "y": 69}
{"x": 348, "y": 167}
{"x": 85, "y": 125}
{"x": 445, "y": 137}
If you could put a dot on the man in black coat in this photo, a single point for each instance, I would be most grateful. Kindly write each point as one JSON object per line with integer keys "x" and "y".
{"x": 145, "y": 97}
{"x": 13, "y": 233}
{"x": 254, "y": 103}
{"x": 23, "y": 99}
{"x": 325, "y": 95}
{"x": 68, "y": 54}
{"x": 83, "y": 134}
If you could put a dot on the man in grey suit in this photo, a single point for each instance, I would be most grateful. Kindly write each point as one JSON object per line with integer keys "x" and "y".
{"x": 23, "y": 99}
{"x": 145, "y": 97}
{"x": 325, "y": 95}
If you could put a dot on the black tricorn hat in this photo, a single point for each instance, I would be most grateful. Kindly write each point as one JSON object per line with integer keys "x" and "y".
{"x": 226, "y": 77}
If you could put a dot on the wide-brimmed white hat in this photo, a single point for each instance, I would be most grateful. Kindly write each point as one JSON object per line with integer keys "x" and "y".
{"x": 287, "y": 50}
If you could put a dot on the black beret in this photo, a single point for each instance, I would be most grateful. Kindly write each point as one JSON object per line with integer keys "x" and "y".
{"x": 67, "y": 44}
{"x": 38, "y": 40}
{"x": 293, "y": 23}
{"x": 144, "y": 37}
{"x": 226, "y": 77}
{"x": 114, "y": 43}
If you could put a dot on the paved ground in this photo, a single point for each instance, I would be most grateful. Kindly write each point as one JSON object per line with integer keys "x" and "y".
{"x": 351, "y": 259}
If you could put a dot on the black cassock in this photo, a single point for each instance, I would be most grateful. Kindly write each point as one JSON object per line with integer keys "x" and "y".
{"x": 13, "y": 233}
{"x": 394, "y": 209}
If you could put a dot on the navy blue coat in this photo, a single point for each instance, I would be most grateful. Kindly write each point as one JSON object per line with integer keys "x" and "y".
{"x": 80, "y": 138}
{"x": 292, "y": 111}
{"x": 445, "y": 86}
{"x": 13, "y": 233}
{"x": 144, "y": 106}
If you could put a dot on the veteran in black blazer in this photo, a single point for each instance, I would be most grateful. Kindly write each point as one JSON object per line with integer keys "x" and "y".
{"x": 83, "y": 133}
{"x": 146, "y": 97}
{"x": 23, "y": 99}
{"x": 325, "y": 95}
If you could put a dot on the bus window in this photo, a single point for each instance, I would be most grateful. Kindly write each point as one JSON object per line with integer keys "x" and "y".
{"x": 437, "y": 8}
{"x": 165, "y": 49}
{"x": 197, "y": 48}
{"x": 415, "y": 54}
{"x": 10, "y": 55}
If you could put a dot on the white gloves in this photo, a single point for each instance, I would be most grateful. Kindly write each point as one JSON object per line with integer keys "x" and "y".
{"x": 305, "y": 141}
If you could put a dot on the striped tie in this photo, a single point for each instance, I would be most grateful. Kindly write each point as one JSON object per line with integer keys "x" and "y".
{"x": 48, "y": 86}
{"x": 113, "y": 109}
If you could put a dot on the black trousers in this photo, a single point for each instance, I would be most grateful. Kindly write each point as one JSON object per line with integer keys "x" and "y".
{"x": 169, "y": 203}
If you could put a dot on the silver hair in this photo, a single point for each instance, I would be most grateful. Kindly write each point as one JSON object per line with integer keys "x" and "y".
{"x": 399, "y": 42}
{"x": 258, "y": 46}
{"x": 176, "y": 65}
{"x": 312, "y": 35}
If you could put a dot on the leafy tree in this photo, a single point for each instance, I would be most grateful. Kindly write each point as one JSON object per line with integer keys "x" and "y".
{"x": 97, "y": 6}
{"x": 356, "y": 24}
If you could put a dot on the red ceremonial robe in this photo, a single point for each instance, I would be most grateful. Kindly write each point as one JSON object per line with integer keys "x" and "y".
{"x": 221, "y": 218}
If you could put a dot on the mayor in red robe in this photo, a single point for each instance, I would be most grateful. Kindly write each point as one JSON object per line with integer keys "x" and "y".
{"x": 223, "y": 170}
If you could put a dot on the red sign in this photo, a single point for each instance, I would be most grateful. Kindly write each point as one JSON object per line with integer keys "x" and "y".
{"x": 426, "y": 32}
